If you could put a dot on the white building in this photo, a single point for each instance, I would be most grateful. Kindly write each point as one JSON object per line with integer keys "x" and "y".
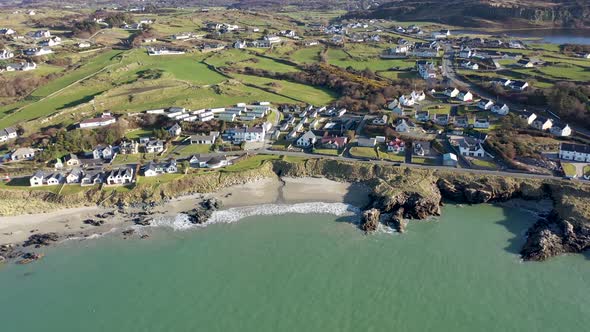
{"x": 501, "y": 110}
{"x": 247, "y": 134}
{"x": 471, "y": 147}
{"x": 6, "y": 54}
{"x": 560, "y": 130}
{"x": 485, "y": 104}
{"x": 576, "y": 152}
{"x": 105, "y": 119}
{"x": 306, "y": 140}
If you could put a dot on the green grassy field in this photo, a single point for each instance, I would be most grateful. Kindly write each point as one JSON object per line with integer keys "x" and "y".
{"x": 329, "y": 152}
{"x": 307, "y": 55}
{"x": 363, "y": 152}
{"x": 249, "y": 163}
{"x": 569, "y": 169}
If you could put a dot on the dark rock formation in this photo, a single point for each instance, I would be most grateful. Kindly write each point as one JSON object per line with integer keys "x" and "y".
{"x": 29, "y": 257}
{"x": 93, "y": 222}
{"x": 397, "y": 221}
{"x": 142, "y": 221}
{"x": 204, "y": 211}
{"x": 370, "y": 220}
{"x": 128, "y": 232}
{"x": 38, "y": 240}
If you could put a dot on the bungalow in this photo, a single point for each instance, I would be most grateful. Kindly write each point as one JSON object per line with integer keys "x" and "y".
{"x": 198, "y": 161}
{"x": 542, "y": 123}
{"x": 423, "y": 116}
{"x": 451, "y": 93}
{"x": 72, "y": 160}
{"x": 380, "y": 120}
{"x": 418, "y": 95}
{"x": 561, "y": 130}
{"x": 92, "y": 178}
{"x": 53, "y": 41}
{"x": 6, "y": 54}
{"x": 481, "y": 122}
{"x": 442, "y": 119}
{"x": 465, "y": 96}
{"x": 58, "y": 164}
{"x": 471, "y": 147}
{"x": 105, "y": 119}
{"x": 525, "y": 63}
{"x": 405, "y": 126}
{"x": 485, "y": 104}
{"x": 406, "y": 100}
{"x": 205, "y": 139}
{"x": 272, "y": 39}
{"x": 247, "y": 134}
{"x": 518, "y": 85}
{"x": 84, "y": 45}
{"x": 334, "y": 142}
{"x": 37, "y": 179}
{"x": 396, "y": 145}
{"x": 466, "y": 53}
{"x": 240, "y": 44}
{"x": 152, "y": 169}
{"x": 393, "y": 104}
{"x": 37, "y": 51}
{"x": 42, "y": 34}
{"x": 175, "y": 130}
{"x": 6, "y": 32}
{"x": 398, "y": 111}
{"x": 576, "y": 152}
{"x": 501, "y": 110}
{"x": 462, "y": 121}
{"x": 55, "y": 179}
{"x": 308, "y": 139}
{"x": 529, "y": 117}
{"x": 470, "y": 65}
{"x": 7, "y": 134}
{"x": 502, "y": 81}
{"x": 22, "y": 154}
{"x": 450, "y": 160}
{"x": 367, "y": 142}
{"x": 74, "y": 176}
{"x": 129, "y": 147}
{"x": 154, "y": 146}
{"x": 103, "y": 152}
{"x": 120, "y": 176}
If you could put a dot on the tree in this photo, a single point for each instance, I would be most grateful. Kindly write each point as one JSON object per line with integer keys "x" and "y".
{"x": 185, "y": 165}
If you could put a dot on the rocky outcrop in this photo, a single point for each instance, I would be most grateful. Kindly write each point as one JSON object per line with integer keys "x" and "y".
{"x": 39, "y": 240}
{"x": 204, "y": 211}
{"x": 370, "y": 220}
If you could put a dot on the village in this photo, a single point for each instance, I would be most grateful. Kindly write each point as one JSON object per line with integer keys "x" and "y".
{"x": 465, "y": 90}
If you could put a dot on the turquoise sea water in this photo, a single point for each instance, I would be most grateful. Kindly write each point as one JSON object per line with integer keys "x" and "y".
{"x": 304, "y": 273}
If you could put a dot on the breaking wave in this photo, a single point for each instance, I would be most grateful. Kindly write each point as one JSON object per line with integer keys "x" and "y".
{"x": 181, "y": 221}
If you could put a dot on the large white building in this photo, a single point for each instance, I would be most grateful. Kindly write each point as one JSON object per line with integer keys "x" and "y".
{"x": 247, "y": 134}
{"x": 104, "y": 120}
{"x": 576, "y": 152}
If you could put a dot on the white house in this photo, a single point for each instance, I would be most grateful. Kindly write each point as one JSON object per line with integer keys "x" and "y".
{"x": 576, "y": 152}
{"x": 481, "y": 122}
{"x": 105, "y": 119}
{"x": 247, "y": 134}
{"x": 529, "y": 117}
{"x": 74, "y": 176}
{"x": 471, "y": 147}
{"x": 37, "y": 51}
{"x": 452, "y": 93}
{"x": 406, "y": 100}
{"x": 154, "y": 146}
{"x": 103, "y": 152}
{"x": 518, "y": 85}
{"x": 465, "y": 96}
{"x": 272, "y": 39}
{"x": 485, "y": 104}
{"x": 560, "y": 130}
{"x": 205, "y": 139}
{"x": 37, "y": 179}
{"x": 6, "y": 54}
{"x": 470, "y": 65}
{"x": 7, "y": 31}
{"x": 42, "y": 34}
{"x": 367, "y": 142}
{"x": 53, "y": 41}
{"x": 175, "y": 130}
{"x": 404, "y": 126}
{"x": 306, "y": 140}
{"x": 120, "y": 176}
{"x": 542, "y": 123}
{"x": 22, "y": 154}
{"x": 418, "y": 95}
{"x": 84, "y": 45}
{"x": 380, "y": 120}
{"x": 501, "y": 110}
{"x": 7, "y": 134}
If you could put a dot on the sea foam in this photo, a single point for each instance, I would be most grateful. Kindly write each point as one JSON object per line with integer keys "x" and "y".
{"x": 181, "y": 221}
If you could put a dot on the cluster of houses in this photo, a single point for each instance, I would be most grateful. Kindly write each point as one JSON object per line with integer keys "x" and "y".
{"x": 426, "y": 69}
{"x": 511, "y": 84}
{"x": 267, "y": 41}
{"x": 406, "y": 48}
{"x": 120, "y": 176}
{"x": 240, "y": 112}
{"x": 546, "y": 124}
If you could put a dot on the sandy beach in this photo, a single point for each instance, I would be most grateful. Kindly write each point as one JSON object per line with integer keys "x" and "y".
{"x": 16, "y": 229}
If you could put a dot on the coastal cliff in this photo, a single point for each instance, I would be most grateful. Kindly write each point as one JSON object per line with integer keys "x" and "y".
{"x": 397, "y": 195}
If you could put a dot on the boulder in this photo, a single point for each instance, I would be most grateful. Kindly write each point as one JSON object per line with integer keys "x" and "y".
{"x": 41, "y": 239}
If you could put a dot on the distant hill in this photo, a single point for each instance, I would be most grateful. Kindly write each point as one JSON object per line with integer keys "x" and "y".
{"x": 485, "y": 13}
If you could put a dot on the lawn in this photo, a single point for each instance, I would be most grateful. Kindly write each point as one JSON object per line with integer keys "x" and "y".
{"x": 307, "y": 55}
{"x": 396, "y": 75}
{"x": 138, "y": 133}
{"x": 400, "y": 157}
{"x": 329, "y": 152}
{"x": 363, "y": 152}
{"x": 250, "y": 163}
{"x": 424, "y": 161}
{"x": 587, "y": 170}
{"x": 483, "y": 163}
{"x": 569, "y": 170}
{"x": 192, "y": 149}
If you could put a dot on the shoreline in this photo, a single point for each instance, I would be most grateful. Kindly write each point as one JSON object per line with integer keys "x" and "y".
{"x": 69, "y": 223}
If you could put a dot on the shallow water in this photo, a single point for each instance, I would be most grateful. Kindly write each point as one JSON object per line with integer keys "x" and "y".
{"x": 550, "y": 36}
{"x": 304, "y": 272}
